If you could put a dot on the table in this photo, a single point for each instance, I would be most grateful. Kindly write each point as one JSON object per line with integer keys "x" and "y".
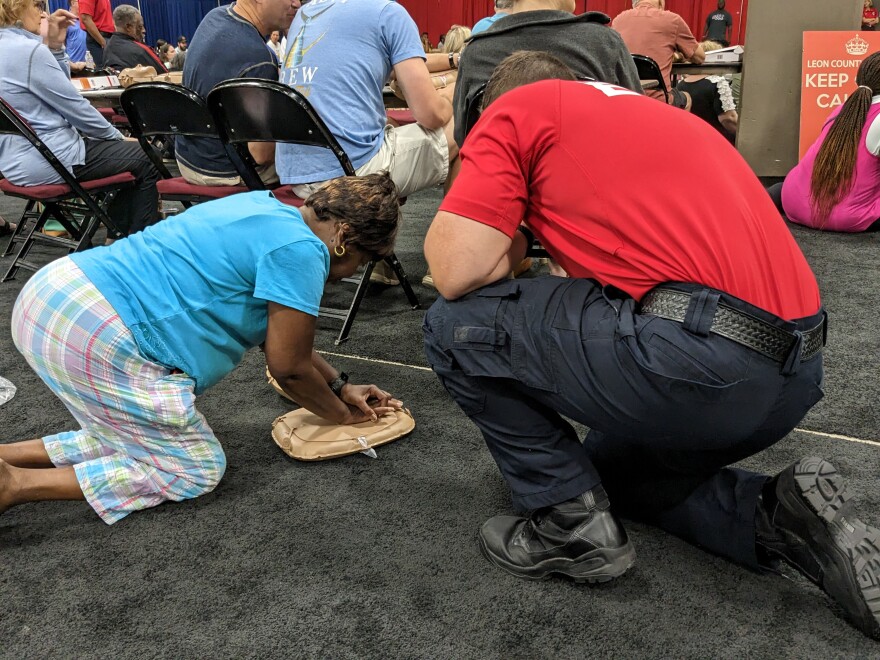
{"x": 713, "y": 69}
{"x": 106, "y": 97}
{"x": 106, "y": 92}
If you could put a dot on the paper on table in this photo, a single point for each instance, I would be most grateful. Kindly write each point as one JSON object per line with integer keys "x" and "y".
{"x": 731, "y": 54}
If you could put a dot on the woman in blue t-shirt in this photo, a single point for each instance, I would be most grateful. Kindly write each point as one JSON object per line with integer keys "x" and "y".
{"x": 127, "y": 336}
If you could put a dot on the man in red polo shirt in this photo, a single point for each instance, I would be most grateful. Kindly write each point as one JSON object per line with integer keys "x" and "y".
{"x": 96, "y": 18}
{"x": 687, "y": 338}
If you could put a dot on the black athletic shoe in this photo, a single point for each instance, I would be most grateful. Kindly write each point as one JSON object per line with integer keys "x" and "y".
{"x": 579, "y": 538}
{"x": 804, "y": 519}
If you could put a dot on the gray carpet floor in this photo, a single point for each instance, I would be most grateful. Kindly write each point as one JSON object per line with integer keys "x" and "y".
{"x": 358, "y": 558}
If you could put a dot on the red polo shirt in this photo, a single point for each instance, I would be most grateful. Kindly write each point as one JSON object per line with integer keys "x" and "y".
{"x": 100, "y": 11}
{"x": 630, "y": 192}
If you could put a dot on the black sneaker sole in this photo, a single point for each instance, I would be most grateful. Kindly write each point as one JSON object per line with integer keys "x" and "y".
{"x": 847, "y": 548}
{"x": 600, "y": 565}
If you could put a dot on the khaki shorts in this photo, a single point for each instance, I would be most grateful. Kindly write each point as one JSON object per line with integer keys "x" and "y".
{"x": 267, "y": 174}
{"x": 415, "y": 157}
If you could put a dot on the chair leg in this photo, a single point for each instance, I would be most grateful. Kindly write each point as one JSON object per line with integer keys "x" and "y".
{"x": 396, "y": 266}
{"x": 28, "y": 215}
{"x": 363, "y": 283}
{"x": 359, "y": 294}
{"x": 27, "y": 244}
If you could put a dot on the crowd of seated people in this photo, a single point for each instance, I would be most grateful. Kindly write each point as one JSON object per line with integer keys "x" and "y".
{"x": 35, "y": 81}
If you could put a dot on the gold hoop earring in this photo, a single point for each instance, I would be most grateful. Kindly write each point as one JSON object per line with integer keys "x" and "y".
{"x": 339, "y": 250}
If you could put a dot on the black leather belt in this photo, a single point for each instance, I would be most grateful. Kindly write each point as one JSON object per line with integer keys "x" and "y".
{"x": 738, "y": 326}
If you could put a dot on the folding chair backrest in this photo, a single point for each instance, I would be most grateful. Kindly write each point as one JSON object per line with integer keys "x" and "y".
{"x": 472, "y": 113}
{"x": 648, "y": 69}
{"x": 252, "y": 110}
{"x": 11, "y": 123}
{"x": 163, "y": 109}
{"x": 156, "y": 108}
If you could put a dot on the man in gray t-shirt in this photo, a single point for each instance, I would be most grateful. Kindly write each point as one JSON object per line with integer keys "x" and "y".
{"x": 718, "y": 25}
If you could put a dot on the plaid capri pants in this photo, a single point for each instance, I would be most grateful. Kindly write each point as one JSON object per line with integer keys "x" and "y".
{"x": 141, "y": 440}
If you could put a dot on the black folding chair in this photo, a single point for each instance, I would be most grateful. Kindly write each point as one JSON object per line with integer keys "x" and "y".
{"x": 472, "y": 114}
{"x": 251, "y": 110}
{"x": 80, "y": 206}
{"x": 157, "y": 109}
{"x": 649, "y": 70}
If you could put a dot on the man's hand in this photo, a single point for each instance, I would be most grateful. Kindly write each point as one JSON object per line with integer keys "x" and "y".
{"x": 367, "y": 403}
{"x": 59, "y": 21}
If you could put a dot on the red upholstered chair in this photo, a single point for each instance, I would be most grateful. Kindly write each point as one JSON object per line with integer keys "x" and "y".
{"x": 250, "y": 110}
{"x": 80, "y": 206}
{"x": 119, "y": 121}
{"x": 161, "y": 109}
{"x": 402, "y": 116}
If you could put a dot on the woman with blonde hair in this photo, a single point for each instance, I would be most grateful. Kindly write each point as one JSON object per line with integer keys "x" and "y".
{"x": 456, "y": 39}
{"x": 836, "y": 186}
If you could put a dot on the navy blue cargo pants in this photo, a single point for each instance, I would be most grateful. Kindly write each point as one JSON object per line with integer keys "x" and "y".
{"x": 668, "y": 408}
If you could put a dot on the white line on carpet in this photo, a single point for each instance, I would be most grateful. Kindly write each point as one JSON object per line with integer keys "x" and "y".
{"x": 366, "y": 359}
{"x": 837, "y": 436}
{"x": 834, "y": 436}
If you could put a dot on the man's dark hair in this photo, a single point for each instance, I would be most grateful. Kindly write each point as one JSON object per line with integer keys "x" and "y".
{"x": 522, "y": 68}
{"x": 369, "y": 204}
{"x": 721, "y": 4}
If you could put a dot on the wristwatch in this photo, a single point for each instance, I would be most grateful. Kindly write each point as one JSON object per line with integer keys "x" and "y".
{"x": 338, "y": 383}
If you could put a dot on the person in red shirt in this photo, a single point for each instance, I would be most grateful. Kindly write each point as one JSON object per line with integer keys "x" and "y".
{"x": 869, "y": 16}
{"x": 687, "y": 338}
{"x": 96, "y": 18}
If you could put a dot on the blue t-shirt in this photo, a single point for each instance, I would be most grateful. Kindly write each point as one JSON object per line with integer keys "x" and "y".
{"x": 76, "y": 43}
{"x": 193, "y": 289}
{"x": 485, "y": 23}
{"x": 224, "y": 46}
{"x": 339, "y": 55}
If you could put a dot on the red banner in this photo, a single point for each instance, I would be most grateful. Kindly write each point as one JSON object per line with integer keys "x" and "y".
{"x": 831, "y": 60}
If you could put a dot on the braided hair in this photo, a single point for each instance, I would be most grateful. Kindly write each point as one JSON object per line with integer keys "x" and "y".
{"x": 834, "y": 169}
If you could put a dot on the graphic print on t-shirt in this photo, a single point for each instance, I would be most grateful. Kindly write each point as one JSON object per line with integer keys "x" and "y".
{"x": 300, "y": 78}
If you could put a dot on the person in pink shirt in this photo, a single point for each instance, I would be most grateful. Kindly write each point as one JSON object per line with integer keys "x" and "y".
{"x": 836, "y": 186}
{"x": 648, "y": 29}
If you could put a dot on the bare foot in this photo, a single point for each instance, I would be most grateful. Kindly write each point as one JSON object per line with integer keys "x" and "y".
{"x": 8, "y": 486}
